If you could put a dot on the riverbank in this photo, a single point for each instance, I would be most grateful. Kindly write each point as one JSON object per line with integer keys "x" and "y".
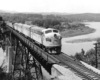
{"x": 82, "y": 40}
{"x": 79, "y": 31}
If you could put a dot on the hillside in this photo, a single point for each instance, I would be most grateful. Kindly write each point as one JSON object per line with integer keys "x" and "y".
{"x": 83, "y": 17}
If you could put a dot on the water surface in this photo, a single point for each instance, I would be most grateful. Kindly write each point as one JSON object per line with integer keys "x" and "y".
{"x": 72, "y": 48}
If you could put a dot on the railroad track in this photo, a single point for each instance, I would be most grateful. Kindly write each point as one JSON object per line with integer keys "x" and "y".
{"x": 77, "y": 67}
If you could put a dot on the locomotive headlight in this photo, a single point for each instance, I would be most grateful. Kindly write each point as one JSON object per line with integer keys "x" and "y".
{"x": 60, "y": 37}
{"x": 48, "y": 39}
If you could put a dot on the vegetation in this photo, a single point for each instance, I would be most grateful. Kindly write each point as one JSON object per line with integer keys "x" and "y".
{"x": 67, "y": 26}
{"x": 83, "y": 17}
{"x": 89, "y": 56}
{"x": 78, "y": 30}
{"x": 1, "y": 19}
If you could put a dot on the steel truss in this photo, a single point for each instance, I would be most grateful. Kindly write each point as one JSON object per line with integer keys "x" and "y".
{"x": 25, "y": 66}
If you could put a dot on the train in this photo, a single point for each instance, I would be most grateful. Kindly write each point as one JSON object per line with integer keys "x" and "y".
{"x": 48, "y": 39}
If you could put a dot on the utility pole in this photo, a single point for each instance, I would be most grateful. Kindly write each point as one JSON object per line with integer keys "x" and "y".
{"x": 96, "y": 60}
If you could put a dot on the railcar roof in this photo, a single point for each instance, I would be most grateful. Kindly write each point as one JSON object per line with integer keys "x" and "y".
{"x": 34, "y": 27}
{"x": 49, "y": 29}
{"x": 18, "y": 24}
{"x": 25, "y": 25}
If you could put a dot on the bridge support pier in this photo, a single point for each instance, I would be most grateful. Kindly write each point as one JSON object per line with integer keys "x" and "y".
{"x": 8, "y": 59}
{"x": 25, "y": 66}
{"x": 9, "y": 56}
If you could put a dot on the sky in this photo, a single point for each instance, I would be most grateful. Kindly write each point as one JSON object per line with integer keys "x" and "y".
{"x": 60, "y": 6}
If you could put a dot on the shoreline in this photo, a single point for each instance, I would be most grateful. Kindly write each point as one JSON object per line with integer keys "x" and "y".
{"x": 82, "y": 40}
{"x": 78, "y": 32}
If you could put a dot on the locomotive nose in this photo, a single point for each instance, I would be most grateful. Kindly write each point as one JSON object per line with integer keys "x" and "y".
{"x": 55, "y": 35}
{"x": 58, "y": 37}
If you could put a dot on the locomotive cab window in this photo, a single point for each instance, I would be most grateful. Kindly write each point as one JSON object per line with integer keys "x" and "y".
{"x": 55, "y": 31}
{"x": 42, "y": 33}
{"x": 48, "y": 31}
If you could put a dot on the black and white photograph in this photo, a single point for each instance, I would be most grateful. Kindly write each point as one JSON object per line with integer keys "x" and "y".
{"x": 50, "y": 40}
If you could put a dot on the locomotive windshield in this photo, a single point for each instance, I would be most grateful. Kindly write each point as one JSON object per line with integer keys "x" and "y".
{"x": 48, "y": 31}
{"x": 56, "y": 31}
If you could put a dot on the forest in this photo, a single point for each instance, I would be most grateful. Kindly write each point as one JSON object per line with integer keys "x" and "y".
{"x": 60, "y": 22}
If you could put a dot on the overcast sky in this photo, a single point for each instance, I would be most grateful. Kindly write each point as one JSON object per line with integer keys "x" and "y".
{"x": 66, "y": 6}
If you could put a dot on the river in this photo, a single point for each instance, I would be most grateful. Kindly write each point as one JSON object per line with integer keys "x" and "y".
{"x": 72, "y": 48}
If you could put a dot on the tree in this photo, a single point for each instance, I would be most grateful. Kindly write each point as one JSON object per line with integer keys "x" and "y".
{"x": 1, "y": 18}
{"x": 82, "y": 51}
{"x": 78, "y": 56}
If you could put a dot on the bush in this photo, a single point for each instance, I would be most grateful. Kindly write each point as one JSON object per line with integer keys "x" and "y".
{"x": 78, "y": 56}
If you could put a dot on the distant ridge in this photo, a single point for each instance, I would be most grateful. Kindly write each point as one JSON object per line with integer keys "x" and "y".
{"x": 43, "y": 13}
{"x": 68, "y": 16}
{"x": 49, "y": 13}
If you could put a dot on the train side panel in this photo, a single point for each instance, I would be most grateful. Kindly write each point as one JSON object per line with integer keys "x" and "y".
{"x": 36, "y": 37}
{"x": 26, "y": 30}
{"x": 19, "y": 27}
{"x": 36, "y": 34}
{"x": 16, "y": 26}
